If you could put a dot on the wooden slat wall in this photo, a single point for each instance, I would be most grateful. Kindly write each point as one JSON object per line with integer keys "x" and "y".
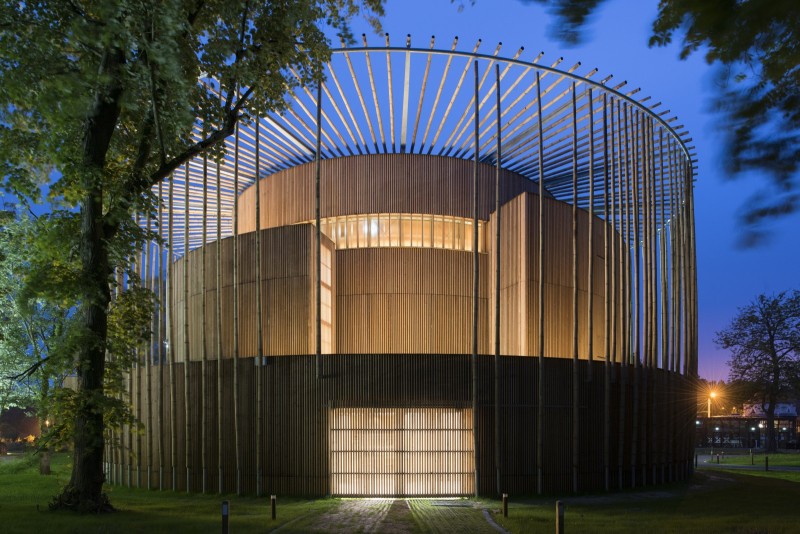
{"x": 296, "y": 456}
{"x": 408, "y": 300}
{"x": 519, "y": 286}
{"x": 377, "y": 183}
{"x": 287, "y": 293}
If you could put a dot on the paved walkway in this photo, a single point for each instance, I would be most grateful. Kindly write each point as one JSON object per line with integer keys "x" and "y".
{"x": 401, "y": 516}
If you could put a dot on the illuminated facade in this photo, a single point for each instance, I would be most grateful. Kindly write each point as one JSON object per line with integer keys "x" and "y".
{"x": 373, "y": 318}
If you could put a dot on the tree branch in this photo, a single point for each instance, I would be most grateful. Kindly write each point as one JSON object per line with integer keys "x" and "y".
{"x": 29, "y": 371}
{"x": 217, "y": 136}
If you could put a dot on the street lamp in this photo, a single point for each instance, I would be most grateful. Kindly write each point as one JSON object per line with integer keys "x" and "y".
{"x": 710, "y": 396}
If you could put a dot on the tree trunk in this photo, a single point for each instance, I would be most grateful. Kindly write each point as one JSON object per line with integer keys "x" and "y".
{"x": 84, "y": 492}
{"x": 772, "y": 446}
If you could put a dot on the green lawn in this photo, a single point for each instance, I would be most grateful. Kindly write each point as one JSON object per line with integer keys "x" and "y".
{"x": 718, "y": 500}
{"x": 780, "y": 459}
{"x": 24, "y": 496}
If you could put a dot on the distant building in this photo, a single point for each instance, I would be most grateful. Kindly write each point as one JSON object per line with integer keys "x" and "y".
{"x": 781, "y": 410}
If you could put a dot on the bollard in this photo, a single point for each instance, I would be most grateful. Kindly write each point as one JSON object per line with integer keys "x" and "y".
{"x": 695, "y": 460}
{"x": 505, "y": 505}
{"x": 224, "y": 517}
{"x": 717, "y": 459}
{"x": 752, "y": 462}
{"x": 559, "y": 517}
{"x": 272, "y": 501}
{"x": 766, "y": 463}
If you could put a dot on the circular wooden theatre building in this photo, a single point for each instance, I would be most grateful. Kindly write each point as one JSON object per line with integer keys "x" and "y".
{"x": 442, "y": 272}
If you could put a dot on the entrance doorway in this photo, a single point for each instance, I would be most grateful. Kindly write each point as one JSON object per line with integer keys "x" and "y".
{"x": 401, "y": 451}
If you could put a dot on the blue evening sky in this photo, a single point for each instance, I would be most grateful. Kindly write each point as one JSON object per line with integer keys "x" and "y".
{"x": 616, "y": 43}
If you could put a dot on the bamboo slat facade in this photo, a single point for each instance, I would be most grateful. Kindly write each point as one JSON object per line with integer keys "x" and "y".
{"x": 304, "y": 451}
{"x": 367, "y": 296}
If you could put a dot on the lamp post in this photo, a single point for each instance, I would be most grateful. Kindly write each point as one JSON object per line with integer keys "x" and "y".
{"x": 710, "y": 396}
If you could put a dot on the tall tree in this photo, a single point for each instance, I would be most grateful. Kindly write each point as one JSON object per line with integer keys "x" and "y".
{"x": 117, "y": 94}
{"x": 764, "y": 340}
{"x": 753, "y": 46}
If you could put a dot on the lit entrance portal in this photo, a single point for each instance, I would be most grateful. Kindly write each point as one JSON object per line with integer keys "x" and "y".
{"x": 401, "y": 451}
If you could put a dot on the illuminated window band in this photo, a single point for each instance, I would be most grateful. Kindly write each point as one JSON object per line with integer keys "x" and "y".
{"x": 402, "y": 230}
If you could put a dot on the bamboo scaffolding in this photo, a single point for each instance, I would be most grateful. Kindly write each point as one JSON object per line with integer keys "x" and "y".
{"x": 551, "y": 138}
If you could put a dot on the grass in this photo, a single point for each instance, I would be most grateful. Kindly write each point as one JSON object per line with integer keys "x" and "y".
{"x": 779, "y": 459}
{"x": 718, "y": 500}
{"x": 24, "y": 496}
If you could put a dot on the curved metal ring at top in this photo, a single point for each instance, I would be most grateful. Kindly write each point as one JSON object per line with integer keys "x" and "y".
{"x": 387, "y": 100}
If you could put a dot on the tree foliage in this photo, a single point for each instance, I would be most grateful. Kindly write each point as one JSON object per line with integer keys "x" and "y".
{"x": 764, "y": 341}
{"x": 110, "y": 97}
{"x": 32, "y": 328}
{"x": 753, "y": 45}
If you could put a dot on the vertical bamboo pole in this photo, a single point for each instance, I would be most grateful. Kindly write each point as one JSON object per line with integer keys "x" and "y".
{"x": 129, "y": 456}
{"x": 692, "y": 269}
{"x": 149, "y": 363}
{"x": 575, "y": 372}
{"x": 497, "y": 204}
{"x": 590, "y": 246}
{"x": 187, "y": 437}
{"x": 140, "y": 277}
{"x": 259, "y": 316}
{"x": 218, "y": 306}
{"x": 203, "y": 335}
{"x": 608, "y": 307}
{"x": 627, "y": 293}
{"x": 173, "y": 415}
{"x": 668, "y": 274}
{"x": 662, "y": 249}
{"x": 474, "y": 361}
{"x": 668, "y": 238}
{"x": 162, "y": 310}
{"x": 651, "y": 316}
{"x": 635, "y": 289}
{"x": 318, "y": 295}
{"x": 236, "y": 426}
{"x": 540, "y": 329}
{"x": 158, "y": 267}
{"x": 616, "y": 235}
{"x": 643, "y": 155}
{"x": 691, "y": 315}
{"x": 120, "y": 443}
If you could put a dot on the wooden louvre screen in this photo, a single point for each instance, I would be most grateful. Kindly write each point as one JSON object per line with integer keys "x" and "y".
{"x": 401, "y": 451}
